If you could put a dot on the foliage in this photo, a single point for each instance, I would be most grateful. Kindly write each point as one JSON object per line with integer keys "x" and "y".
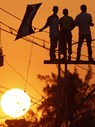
{"x": 77, "y": 97}
{"x": 80, "y": 99}
{"x": 29, "y": 120}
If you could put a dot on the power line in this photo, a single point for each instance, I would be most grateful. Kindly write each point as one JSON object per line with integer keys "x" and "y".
{"x": 38, "y": 100}
{"x": 84, "y": 69}
{"x": 10, "y": 14}
{"x": 27, "y": 39}
{"x": 33, "y": 26}
{"x": 43, "y": 46}
{"x": 73, "y": 44}
{"x": 23, "y": 78}
{"x": 4, "y": 87}
{"x": 38, "y": 39}
{"x": 29, "y": 35}
{"x": 16, "y": 17}
{"x": 34, "y": 103}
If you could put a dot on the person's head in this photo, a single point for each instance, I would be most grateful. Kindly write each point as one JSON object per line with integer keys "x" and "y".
{"x": 83, "y": 8}
{"x": 65, "y": 11}
{"x": 55, "y": 9}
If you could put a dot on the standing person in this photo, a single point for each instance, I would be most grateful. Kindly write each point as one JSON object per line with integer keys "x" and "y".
{"x": 84, "y": 21}
{"x": 52, "y": 23}
{"x": 66, "y": 25}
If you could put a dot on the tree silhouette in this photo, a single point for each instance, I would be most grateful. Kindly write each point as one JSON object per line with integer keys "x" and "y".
{"x": 80, "y": 102}
{"x": 29, "y": 120}
{"x": 79, "y": 98}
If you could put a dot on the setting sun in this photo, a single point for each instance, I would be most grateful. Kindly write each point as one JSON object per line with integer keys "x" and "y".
{"x": 15, "y": 102}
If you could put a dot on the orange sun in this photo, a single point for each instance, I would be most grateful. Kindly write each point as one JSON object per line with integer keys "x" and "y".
{"x": 15, "y": 102}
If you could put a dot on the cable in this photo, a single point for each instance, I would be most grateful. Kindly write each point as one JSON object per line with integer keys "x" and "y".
{"x": 23, "y": 78}
{"x": 28, "y": 66}
{"x": 84, "y": 69}
{"x": 27, "y": 39}
{"x": 29, "y": 35}
{"x": 36, "y": 37}
{"x": 32, "y": 26}
{"x": 10, "y": 14}
{"x": 40, "y": 39}
{"x": 4, "y": 87}
{"x": 17, "y": 17}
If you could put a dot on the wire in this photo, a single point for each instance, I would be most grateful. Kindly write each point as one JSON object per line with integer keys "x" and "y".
{"x": 28, "y": 66}
{"x": 29, "y": 35}
{"x": 84, "y": 69}
{"x": 34, "y": 103}
{"x": 41, "y": 39}
{"x": 23, "y": 78}
{"x": 4, "y": 87}
{"x": 13, "y": 15}
{"x": 4, "y": 117}
{"x": 75, "y": 42}
{"x": 33, "y": 26}
{"x": 10, "y": 14}
{"x": 27, "y": 39}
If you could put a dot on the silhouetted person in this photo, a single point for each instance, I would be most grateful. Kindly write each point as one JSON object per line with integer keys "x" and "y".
{"x": 52, "y": 23}
{"x": 84, "y": 21}
{"x": 66, "y": 25}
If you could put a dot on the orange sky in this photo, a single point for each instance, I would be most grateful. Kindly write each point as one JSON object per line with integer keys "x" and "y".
{"x": 17, "y": 53}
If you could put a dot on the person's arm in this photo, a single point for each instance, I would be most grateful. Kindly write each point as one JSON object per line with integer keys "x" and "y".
{"x": 73, "y": 25}
{"x": 75, "y": 22}
{"x": 91, "y": 23}
{"x": 45, "y": 26}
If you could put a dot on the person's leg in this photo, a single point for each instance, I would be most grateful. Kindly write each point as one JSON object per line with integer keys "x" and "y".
{"x": 63, "y": 44}
{"x": 80, "y": 42}
{"x": 53, "y": 46}
{"x": 69, "y": 46}
{"x": 88, "y": 40}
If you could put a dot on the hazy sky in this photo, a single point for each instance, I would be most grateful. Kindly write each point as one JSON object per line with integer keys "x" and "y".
{"x": 17, "y": 53}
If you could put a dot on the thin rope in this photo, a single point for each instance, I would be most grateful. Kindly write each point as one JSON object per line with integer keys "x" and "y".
{"x": 28, "y": 66}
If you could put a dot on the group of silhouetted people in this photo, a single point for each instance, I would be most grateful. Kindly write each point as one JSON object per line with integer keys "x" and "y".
{"x": 61, "y": 32}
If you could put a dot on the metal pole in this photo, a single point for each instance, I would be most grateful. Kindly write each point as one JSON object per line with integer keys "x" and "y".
{"x": 0, "y": 35}
{"x": 66, "y": 93}
{"x": 59, "y": 93}
{"x": 66, "y": 97}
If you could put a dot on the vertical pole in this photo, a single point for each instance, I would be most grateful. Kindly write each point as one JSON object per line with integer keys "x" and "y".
{"x": 0, "y": 35}
{"x": 66, "y": 93}
{"x": 66, "y": 97}
{"x": 59, "y": 93}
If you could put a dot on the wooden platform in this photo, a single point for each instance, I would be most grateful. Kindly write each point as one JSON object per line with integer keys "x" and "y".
{"x": 68, "y": 62}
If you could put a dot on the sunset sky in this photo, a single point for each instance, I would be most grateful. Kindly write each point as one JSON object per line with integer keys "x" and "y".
{"x": 19, "y": 53}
